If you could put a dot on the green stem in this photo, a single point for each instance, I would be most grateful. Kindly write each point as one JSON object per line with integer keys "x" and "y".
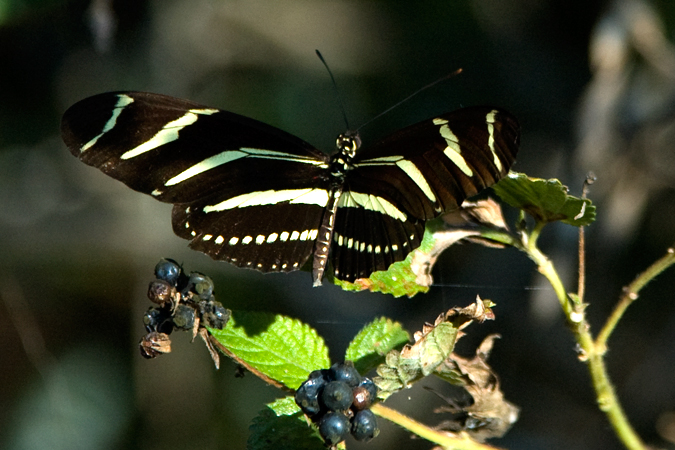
{"x": 545, "y": 267}
{"x": 630, "y": 295}
{"x": 576, "y": 319}
{"x": 446, "y": 439}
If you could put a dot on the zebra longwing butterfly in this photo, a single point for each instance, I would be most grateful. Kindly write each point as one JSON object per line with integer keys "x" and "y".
{"x": 258, "y": 197}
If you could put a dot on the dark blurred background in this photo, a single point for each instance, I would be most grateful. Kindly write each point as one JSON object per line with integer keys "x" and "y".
{"x": 592, "y": 83}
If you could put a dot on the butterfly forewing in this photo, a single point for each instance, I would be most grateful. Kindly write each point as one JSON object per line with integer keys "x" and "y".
{"x": 435, "y": 164}
{"x": 231, "y": 177}
{"x": 179, "y": 151}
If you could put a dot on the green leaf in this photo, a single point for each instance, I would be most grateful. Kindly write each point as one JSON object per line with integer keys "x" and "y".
{"x": 433, "y": 345}
{"x": 375, "y": 340}
{"x": 399, "y": 279}
{"x": 284, "y": 432}
{"x": 416, "y": 361}
{"x": 278, "y": 347}
{"x": 545, "y": 200}
{"x": 284, "y": 406}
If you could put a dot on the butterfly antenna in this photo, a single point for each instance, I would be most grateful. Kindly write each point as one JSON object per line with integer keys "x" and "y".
{"x": 337, "y": 91}
{"x": 397, "y": 104}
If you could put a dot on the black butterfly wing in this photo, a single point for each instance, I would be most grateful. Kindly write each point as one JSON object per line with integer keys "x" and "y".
{"x": 412, "y": 176}
{"x": 266, "y": 236}
{"x": 227, "y": 175}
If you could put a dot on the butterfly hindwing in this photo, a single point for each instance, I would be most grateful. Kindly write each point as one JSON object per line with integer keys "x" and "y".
{"x": 267, "y": 237}
{"x": 366, "y": 240}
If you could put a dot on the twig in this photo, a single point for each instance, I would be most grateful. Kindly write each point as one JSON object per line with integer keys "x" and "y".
{"x": 446, "y": 439}
{"x": 590, "y": 179}
{"x": 630, "y": 294}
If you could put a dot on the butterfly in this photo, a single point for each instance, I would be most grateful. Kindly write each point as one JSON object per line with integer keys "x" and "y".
{"x": 253, "y": 195}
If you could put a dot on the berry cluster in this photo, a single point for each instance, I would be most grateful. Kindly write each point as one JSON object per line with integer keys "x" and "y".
{"x": 184, "y": 302}
{"x": 337, "y": 400}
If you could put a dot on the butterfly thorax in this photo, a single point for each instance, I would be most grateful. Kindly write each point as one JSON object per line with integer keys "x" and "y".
{"x": 347, "y": 144}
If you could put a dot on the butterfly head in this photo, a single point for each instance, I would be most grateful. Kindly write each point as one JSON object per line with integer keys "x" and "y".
{"x": 348, "y": 143}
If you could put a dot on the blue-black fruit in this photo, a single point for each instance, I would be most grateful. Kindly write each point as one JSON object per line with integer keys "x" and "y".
{"x": 364, "y": 425}
{"x": 168, "y": 270}
{"x": 184, "y": 317}
{"x": 345, "y": 372}
{"x": 201, "y": 285}
{"x": 334, "y": 427}
{"x": 307, "y": 395}
{"x": 337, "y": 396}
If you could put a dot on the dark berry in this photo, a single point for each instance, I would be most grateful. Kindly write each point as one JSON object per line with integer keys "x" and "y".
{"x": 334, "y": 427}
{"x": 152, "y": 318}
{"x": 364, "y": 425}
{"x": 345, "y": 372}
{"x": 364, "y": 394}
{"x": 201, "y": 285}
{"x": 361, "y": 398}
{"x": 168, "y": 270}
{"x": 161, "y": 292}
{"x": 337, "y": 396}
{"x": 158, "y": 319}
{"x": 213, "y": 314}
{"x": 307, "y": 395}
{"x": 184, "y": 317}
